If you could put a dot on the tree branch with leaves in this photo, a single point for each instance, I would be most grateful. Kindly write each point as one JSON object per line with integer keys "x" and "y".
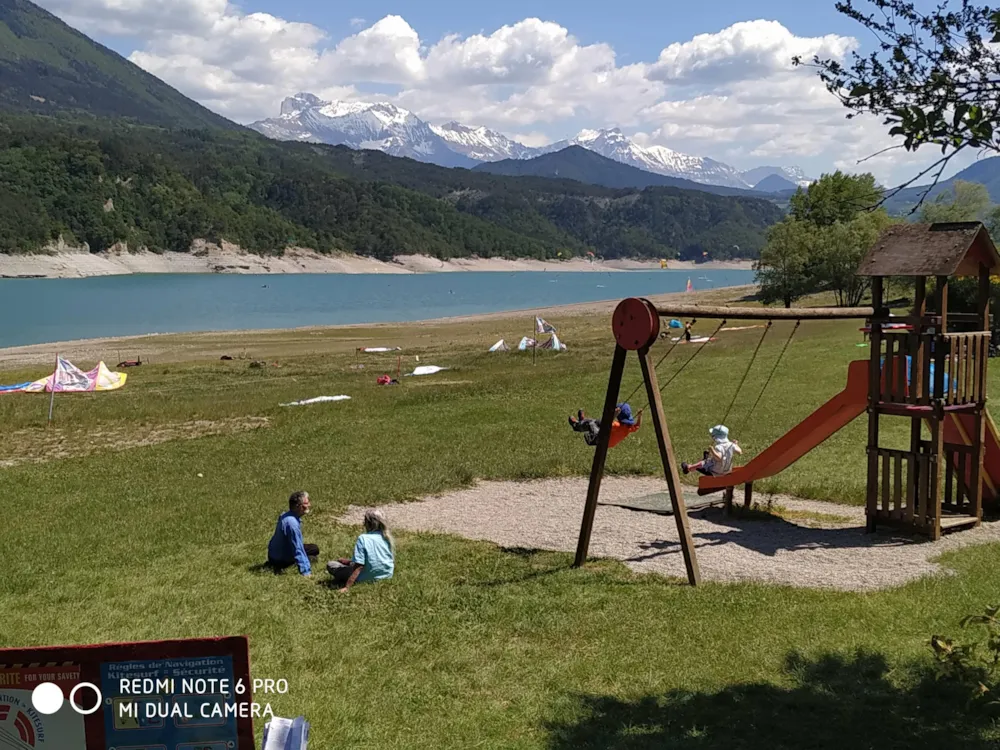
{"x": 934, "y": 77}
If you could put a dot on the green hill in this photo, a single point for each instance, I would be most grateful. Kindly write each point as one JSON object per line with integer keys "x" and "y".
{"x": 985, "y": 171}
{"x": 103, "y": 183}
{"x": 583, "y": 165}
{"x": 97, "y": 151}
{"x": 48, "y": 67}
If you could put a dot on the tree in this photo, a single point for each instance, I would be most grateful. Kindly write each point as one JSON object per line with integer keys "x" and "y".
{"x": 993, "y": 224}
{"x": 783, "y": 268}
{"x": 838, "y": 250}
{"x": 819, "y": 245}
{"x": 966, "y": 201}
{"x": 934, "y": 78}
{"x": 835, "y": 197}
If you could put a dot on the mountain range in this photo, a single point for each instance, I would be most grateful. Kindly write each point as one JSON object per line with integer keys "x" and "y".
{"x": 385, "y": 127}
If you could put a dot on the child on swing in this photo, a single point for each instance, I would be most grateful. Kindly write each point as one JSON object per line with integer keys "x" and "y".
{"x": 718, "y": 459}
{"x": 623, "y": 424}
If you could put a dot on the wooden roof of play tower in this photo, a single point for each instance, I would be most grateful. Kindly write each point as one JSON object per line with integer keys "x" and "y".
{"x": 953, "y": 249}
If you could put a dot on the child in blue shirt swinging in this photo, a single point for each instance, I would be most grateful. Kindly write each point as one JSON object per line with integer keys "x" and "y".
{"x": 623, "y": 424}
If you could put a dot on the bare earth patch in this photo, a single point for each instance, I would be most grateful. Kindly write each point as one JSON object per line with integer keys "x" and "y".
{"x": 820, "y": 545}
{"x": 40, "y": 444}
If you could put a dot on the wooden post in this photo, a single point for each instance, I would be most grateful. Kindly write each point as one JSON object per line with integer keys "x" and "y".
{"x": 917, "y": 350}
{"x": 747, "y": 494}
{"x": 874, "y": 388}
{"x": 601, "y": 455}
{"x": 983, "y": 301}
{"x": 52, "y": 398}
{"x": 727, "y": 497}
{"x": 670, "y": 467}
{"x": 938, "y": 473}
{"x": 940, "y": 342}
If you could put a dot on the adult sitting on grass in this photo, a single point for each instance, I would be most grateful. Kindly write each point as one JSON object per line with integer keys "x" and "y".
{"x": 286, "y": 547}
{"x": 374, "y": 555}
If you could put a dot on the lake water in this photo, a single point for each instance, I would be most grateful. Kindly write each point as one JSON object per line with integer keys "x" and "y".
{"x": 35, "y": 311}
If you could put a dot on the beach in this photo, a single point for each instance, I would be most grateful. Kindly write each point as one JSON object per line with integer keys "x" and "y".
{"x": 64, "y": 262}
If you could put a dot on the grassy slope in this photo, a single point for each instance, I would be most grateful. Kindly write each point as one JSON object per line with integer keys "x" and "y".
{"x": 470, "y": 645}
{"x": 40, "y": 56}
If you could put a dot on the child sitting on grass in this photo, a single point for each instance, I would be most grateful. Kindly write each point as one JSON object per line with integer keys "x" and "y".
{"x": 718, "y": 459}
{"x": 623, "y": 424}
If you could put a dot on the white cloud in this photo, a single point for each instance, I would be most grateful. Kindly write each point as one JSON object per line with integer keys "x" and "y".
{"x": 731, "y": 94}
{"x": 742, "y": 52}
{"x": 387, "y": 52}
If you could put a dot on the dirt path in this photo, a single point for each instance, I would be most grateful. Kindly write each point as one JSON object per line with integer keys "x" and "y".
{"x": 817, "y": 545}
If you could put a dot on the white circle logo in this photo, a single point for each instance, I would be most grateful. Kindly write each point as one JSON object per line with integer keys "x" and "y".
{"x": 47, "y": 698}
{"x": 97, "y": 703}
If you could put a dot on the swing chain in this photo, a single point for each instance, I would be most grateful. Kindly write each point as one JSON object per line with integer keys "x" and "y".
{"x": 753, "y": 358}
{"x": 774, "y": 369}
{"x": 681, "y": 368}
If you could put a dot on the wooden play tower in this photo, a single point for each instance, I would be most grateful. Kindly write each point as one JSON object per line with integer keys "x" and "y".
{"x": 928, "y": 367}
{"x": 932, "y": 372}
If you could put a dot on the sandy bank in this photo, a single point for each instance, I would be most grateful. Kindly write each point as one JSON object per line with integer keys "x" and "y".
{"x": 66, "y": 263}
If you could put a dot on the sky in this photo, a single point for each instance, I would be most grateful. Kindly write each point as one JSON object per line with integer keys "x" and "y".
{"x": 711, "y": 78}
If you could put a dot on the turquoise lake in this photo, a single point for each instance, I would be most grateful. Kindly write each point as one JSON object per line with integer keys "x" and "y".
{"x": 36, "y": 311}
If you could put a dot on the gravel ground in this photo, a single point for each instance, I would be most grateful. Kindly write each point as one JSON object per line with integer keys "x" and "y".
{"x": 546, "y": 515}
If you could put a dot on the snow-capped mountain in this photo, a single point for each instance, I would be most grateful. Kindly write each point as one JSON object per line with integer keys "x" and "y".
{"x": 398, "y": 132}
{"x": 361, "y": 125}
{"x": 613, "y": 144}
{"x": 483, "y": 144}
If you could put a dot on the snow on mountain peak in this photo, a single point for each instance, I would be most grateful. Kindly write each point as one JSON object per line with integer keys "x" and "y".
{"x": 363, "y": 125}
{"x": 399, "y": 132}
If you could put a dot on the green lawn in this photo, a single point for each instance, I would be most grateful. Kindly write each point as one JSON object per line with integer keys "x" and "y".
{"x": 470, "y": 645}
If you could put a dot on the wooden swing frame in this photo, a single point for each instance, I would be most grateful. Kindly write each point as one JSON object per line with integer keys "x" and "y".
{"x": 636, "y": 326}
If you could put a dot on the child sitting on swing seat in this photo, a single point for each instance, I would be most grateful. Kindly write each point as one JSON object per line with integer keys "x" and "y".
{"x": 718, "y": 459}
{"x": 623, "y": 425}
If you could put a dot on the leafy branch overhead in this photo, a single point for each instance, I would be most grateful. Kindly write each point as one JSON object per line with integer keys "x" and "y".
{"x": 934, "y": 77}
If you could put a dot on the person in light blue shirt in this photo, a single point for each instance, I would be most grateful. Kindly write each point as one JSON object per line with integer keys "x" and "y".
{"x": 286, "y": 547}
{"x": 374, "y": 557}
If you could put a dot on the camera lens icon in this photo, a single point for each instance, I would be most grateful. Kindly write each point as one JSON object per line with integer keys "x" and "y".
{"x": 47, "y": 698}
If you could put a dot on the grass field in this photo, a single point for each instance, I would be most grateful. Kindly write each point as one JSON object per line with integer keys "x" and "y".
{"x": 142, "y": 514}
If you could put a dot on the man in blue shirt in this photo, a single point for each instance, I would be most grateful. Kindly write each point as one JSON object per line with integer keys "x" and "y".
{"x": 286, "y": 547}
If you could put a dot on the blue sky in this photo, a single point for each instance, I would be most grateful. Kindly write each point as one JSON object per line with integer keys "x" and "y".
{"x": 709, "y": 79}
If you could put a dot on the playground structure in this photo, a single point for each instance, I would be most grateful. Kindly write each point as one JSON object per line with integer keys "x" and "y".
{"x": 920, "y": 368}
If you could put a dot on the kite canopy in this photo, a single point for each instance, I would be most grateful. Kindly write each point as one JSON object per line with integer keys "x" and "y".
{"x": 500, "y": 346}
{"x": 554, "y": 344}
{"x": 68, "y": 378}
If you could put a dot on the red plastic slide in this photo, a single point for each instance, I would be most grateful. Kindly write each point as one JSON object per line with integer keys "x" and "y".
{"x": 846, "y": 406}
{"x": 958, "y": 429}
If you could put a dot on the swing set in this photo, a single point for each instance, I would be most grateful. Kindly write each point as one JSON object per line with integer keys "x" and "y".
{"x": 922, "y": 371}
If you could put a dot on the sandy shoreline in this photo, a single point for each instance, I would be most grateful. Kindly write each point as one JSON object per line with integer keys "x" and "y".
{"x": 156, "y": 345}
{"x": 66, "y": 263}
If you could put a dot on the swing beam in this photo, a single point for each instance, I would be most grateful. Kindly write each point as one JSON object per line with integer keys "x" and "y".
{"x": 636, "y": 327}
{"x": 763, "y": 313}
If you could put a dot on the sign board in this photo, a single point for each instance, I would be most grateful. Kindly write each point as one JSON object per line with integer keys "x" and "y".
{"x": 158, "y": 695}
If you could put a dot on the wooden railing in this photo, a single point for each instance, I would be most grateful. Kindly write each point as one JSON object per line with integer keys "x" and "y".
{"x": 917, "y": 367}
{"x": 963, "y": 360}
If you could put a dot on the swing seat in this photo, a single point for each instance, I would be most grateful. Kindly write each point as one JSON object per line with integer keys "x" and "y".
{"x": 621, "y": 431}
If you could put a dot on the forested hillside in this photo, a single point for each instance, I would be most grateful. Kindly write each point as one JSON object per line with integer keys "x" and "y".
{"x": 104, "y": 183}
